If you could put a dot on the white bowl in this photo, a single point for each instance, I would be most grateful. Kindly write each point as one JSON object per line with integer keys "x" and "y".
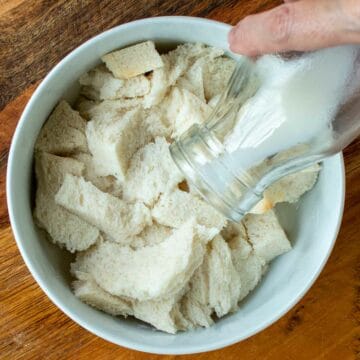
{"x": 312, "y": 225}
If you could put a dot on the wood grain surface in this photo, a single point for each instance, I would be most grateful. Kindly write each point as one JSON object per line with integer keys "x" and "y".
{"x": 34, "y": 36}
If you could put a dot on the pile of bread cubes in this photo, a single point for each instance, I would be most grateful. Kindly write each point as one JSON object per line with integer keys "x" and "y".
{"x": 146, "y": 243}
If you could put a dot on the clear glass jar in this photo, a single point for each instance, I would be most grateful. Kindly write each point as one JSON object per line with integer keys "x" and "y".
{"x": 262, "y": 130}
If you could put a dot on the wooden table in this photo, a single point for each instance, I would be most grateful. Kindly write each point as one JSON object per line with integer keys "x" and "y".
{"x": 34, "y": 36}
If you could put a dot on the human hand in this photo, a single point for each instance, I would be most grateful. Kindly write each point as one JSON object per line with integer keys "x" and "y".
{"x": 298, "y": 25}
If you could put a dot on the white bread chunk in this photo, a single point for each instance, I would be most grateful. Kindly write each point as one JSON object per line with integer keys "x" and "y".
{"x": 162, "y": 313}
{"x": 107, "y": 184}
{"x": 174, "y": 208}
{"x": 195, "y": 304}
{"x": 181, "y": 322}
{"x": 185, "y": 55}
{"x": 156, "y": 123}
{"x": 232, "y": 230}
{"x": 291, "y": 187}
{"x": 93, "y": 81}
{"x": 184, "y": 109}
{"x": 110, "y": 214}
{"x": 224, "y": 280}
{"x": 195, "y": 314}
{"x": 248, "y": 265}
{"x": 266, "y": 235}
{"x": 214, "y": 101}
{"x": 146, "y": 273}
{"x": 159, "y": 86}
{"x": 92, "y": 294}
{"x": 134, "y": 87}
{"x": 151, "y": 173}
{"x": 133, "y": 60}
{"x": 193, "y": 80}
{"x": 216, "y": 76}
{"x": 250, "y": 271}
{"x": 64, "y": 228}
{"x": 100, "y": 84}
{"x": 215, "y": 286}
{"x": 113, "y": 141}
{"x": 90, "y": 109}
{"x": 176, "y": 64}
{"x": 83, "y": 105}
{"x": 63, "y": 133}
{"x": 151, "y": 235}
{"x": 157, "y": 313}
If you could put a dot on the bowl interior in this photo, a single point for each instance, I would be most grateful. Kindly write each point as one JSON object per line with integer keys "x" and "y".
{"x": 312, "y": 224}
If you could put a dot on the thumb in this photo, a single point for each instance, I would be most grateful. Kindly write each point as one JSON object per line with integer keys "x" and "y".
{"x": 294, "y": 26}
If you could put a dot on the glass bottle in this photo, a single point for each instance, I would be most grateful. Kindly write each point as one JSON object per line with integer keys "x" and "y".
{"x": 248, "y": 143}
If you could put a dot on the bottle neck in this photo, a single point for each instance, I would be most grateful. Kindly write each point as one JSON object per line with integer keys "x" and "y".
{"x": 199, "y": 155}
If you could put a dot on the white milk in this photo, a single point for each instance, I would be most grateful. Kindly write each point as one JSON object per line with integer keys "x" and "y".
{"x": 296, "y": 103}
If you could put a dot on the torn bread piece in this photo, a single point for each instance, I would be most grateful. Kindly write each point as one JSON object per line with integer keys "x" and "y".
{"x": 159, "y": 86}
{"x": 184, "y": 109}
{"x": 108, "y": 213}
{"x": 113, "y": 141}
{"x": 181, "y": 322}
{"x": 162, "y": 313}
{"x": 176, "y": 63}
{"x": 174, "y": 208}
{"x": 195, "y": 304}
{"x": 64, "y": 228}
{"x": 100, "y": 84}
{"x": 266, "y": 235}
{"x": 289, "y": 189}
{"x": 224, "y": 280}
{"x": 184, "y": 56}
{"x": 249, "y": 266}
{"x": 86, "y": 289}
{"x": 83, "y": 105}
{"x": 107, "y": 184}
{"x": 150, "y": 272}
{"x": 216, "y": 75}
{"x": 232, "y": 230}
{"x": 151, "y": 173}
{"x": 135, "y": 87}
{"x": 156, "y": 123}
{"x": 133, "y": 60}
{"x": 193, "y": 80}
{"x": 103, "y": 183}
{"x": 214, "y": 101}
{"x": 214, "y": 287}
{"x": 151, "y": 235}
{"x": 92, "y": 82}
{"x": 63, "y": 133}
{"x": 90, "y": 109}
